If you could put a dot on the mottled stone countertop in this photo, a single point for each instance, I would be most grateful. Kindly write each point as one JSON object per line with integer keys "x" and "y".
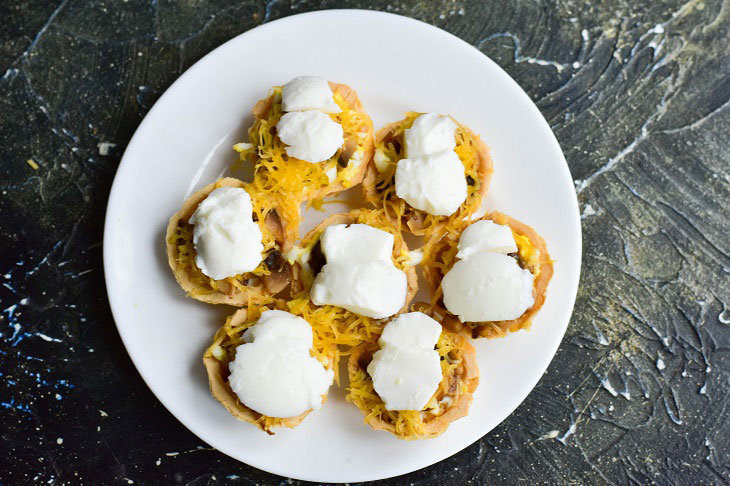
{"x": 637, "y": 95}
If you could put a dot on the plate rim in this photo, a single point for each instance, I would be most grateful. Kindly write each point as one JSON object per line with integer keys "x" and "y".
{"x": 114, "y": 201}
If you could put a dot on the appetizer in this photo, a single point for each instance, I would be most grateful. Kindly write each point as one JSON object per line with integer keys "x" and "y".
{"x": 491, "y": 276}
{"x": 356, "y": 261}
{"x": 268, "y": 367}
{"x": 428, "y": 171}
{"x": 310, "y": 138}
{"x": 415, "y": 379}
{"x": 225, "y": 244}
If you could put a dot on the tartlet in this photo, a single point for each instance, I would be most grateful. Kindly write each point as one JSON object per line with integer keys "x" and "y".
{"x": 450, "y": 402}
{"x": 379, "y": 186}
{"x": 532, "y": 254}
{"x": 347, "y": 328}
{"x": 273, "y": 274}
{"x": 311, "y": 259}
{"x": 301, "y": 181}
{"x": 218, "y": 356}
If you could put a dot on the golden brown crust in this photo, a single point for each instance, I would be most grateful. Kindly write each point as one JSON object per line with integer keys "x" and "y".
{"x": 298, "y": 285}
{"x": 227, "y": 294}
{"x": 413, "y": 219}
{"x": 493, "y": 329}
{"x": 466, "y": 373}
{"x": 218, "y": 373}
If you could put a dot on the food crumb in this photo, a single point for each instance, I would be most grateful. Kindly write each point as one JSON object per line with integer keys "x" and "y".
{"x": 32, "y": 164}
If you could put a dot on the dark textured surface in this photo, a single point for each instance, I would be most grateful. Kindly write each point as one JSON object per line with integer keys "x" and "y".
{"x": 637, "y": 94}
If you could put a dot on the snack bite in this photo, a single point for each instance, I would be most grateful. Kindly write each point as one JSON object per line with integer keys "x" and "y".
{"x": 225, "y": 244}
{"x": 357, "y": 261}
{"x": 490, "y": 276}
{"x": 415, "y": 378}
{"x": 269, "y": 367}
{"x": 428, "y": 171}
{"x": 310, "y": 138}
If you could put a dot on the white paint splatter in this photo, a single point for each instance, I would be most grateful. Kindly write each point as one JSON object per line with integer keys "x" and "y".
{"x": 724, "y": 316}
{"x": 550, "y": 435}
{"x": 587, "y": 211}
{"x": 608, "y": 386}
{"x": 104, "y": 147}
{"x": 571, "y": 430}
{"x": 518, "y": 57}
{"x": 48, "y": 338}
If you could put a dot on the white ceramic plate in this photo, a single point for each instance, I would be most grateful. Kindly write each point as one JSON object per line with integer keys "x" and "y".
{"x": 396, "y": 64}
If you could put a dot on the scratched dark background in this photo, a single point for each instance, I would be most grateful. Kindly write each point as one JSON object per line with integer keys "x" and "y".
{"x": 637, "y": 94}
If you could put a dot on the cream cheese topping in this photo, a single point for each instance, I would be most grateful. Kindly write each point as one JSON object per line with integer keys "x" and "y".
{"x": 311, "y": 136}
{"x": 406, "y": 371}
{"x": 359, "y": 274}
{"x": 433, "y": 183}
{"x": 430, "y": 133}
{"x": 273, "y": 373}
{"x": 308, "y": 93}
{"x": 488, "y": 286}
{"x": 374, "y": 288}
{"x": 486, "y": 235}
{"x": 356, "y": 243}
{"x": 226, "y": 239}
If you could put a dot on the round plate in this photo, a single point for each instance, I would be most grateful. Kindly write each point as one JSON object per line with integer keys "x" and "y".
{"x": 396, "y": 64}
